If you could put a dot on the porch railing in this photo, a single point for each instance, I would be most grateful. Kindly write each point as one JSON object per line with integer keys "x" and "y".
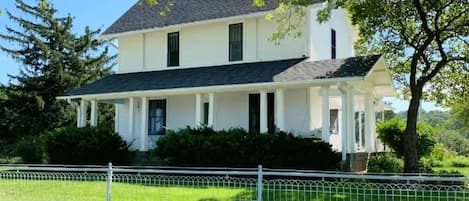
{"x": 99, "y": 183}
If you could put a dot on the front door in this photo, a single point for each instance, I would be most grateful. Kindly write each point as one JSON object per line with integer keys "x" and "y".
{"x": 156, "y": 117}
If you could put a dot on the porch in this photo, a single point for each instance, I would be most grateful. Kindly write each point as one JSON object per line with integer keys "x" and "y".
{"x": 337, "y": 105}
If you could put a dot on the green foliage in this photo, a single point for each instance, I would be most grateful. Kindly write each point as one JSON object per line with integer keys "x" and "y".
{"x": 426, "y": 46}
{"x": 238, "y": 148}
{"x": 453, "y": 141}
{"x": 385, "y": 163}
{"x": 88, "y": 145}
{"x": 53, "y": 61}
{"x": 391, "y": 134}
{"x": 30, "y": 149}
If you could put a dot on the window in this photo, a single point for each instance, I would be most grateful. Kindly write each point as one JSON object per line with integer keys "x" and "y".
{"x": 255, "y": 112}
{"x": 156, "y": 117}
{"x": 173, "y": 49}
{"x": 334, "y": 121}
{"x": 236, "y": 42}
{"x": 206, "y": 106}
{"x": 333, "y": 44}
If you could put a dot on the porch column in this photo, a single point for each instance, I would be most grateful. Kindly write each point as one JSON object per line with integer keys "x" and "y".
{"x": 144, "y": 124}
{"x": 83, "y": 113}
{"x": 344, "y": 132}
{"x": 94, "y": 113}
{"x": 263, "y": 112}
{"x": 211, "y": 110}
{"x": 131, "y": 118}
{"x": 370, "y": 121}
{"x": 280, "y": 109}
{"x": 78, "y": 116}
{"x": 325, "y": 114}
{"x": 351, "y": 143}
{"x": 116, "y": 118}
{"x": 198, "y": 110}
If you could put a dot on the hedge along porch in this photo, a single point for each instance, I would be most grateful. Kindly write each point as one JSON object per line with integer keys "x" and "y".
{"x": 332, "y": 99}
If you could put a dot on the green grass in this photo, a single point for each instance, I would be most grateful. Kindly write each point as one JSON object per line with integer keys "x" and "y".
{"x": 27, "y": 190}
{"x": 13, "y": 190}
{"x": 462, "y": 170}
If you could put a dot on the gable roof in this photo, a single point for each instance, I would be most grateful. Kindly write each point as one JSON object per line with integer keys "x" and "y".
{"x": 236, "y": 74}
{"x": 140, "y": 17}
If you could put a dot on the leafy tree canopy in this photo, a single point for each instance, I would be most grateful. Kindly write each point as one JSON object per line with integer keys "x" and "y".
{"x": 53, "y": 61}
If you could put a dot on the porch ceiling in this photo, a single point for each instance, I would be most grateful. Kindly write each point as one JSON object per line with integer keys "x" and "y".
{"x": 263, "y": 73}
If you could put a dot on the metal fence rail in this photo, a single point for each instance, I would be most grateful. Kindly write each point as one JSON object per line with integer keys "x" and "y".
{"x": 99, "y": 183}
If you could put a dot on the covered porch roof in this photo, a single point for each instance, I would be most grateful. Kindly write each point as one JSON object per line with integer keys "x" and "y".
{"x": 279, "y": 73}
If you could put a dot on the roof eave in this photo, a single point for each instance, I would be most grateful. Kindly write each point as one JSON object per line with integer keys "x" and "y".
{"x": 218, "y": 88}
{"x": 251, "y": 15}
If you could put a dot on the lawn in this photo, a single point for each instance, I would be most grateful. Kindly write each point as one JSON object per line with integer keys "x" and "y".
{"x": 22, "y": 190}
{"x": 462, "y": 170}
{"x": 27, "y": 190}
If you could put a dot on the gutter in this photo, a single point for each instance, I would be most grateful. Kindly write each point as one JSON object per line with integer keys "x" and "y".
{"x": 212, "y": 89}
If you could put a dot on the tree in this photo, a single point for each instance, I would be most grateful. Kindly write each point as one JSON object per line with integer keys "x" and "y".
{"x": 53, "y": 61}
{"x": 426, "y": 44}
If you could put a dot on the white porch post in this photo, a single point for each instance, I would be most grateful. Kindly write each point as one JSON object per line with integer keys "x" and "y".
{"x": 94, "y": 113}
{"x": 350, "y": 121}
{"x": 325, "y": 114}
{"x": 144, "y": 124}
{"x": 198, "y": 110}
{"x": 280, "y": 109}
{"x": 344, "y": 131}
{"x": 116, "y": 118}
{"x": 263, "y": 110}
{"x": 78, "y": 116}
{"x": 370, "y": 121}
{"x": 131, "y": 118}
{"x": 83, "y": 113}
{"x": 211, "y": 110}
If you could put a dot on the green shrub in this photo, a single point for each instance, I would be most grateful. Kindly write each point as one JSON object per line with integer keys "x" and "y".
{"x": 30, "y": 149}
{"x": 454, "y": 141}
{"x": 391, "y": 133}
{"x": 88, "y": 145}
{"x": 385, "y": 163}
{"x": 460, "y": 161}
{"x": 238, "y": 148}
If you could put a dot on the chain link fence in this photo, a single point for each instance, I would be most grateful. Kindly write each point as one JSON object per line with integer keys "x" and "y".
{"x": 53, "y": 183}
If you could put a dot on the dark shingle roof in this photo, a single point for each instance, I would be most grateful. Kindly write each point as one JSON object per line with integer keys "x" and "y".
{"x": 141, "y": 17}
{"x": 247, "y": 73}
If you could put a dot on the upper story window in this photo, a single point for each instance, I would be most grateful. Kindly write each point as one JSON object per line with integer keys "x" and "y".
{"x": 173, "y": 49}
{"x": 333, "y": 44}
{"x": 236, "y": 42}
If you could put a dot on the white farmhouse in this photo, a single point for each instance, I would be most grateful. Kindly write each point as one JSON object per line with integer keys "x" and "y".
{"x": 211, "y": 62}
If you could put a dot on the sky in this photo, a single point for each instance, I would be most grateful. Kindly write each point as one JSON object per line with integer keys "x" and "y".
{"x": 100, "y": 14}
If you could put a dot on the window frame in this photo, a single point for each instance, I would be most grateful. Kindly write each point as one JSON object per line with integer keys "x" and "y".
{"x": 169, "y": 51}
{"x": 232, "y": 41}
{"x": 164, "y": 107}
{"x": 333, "y": 44}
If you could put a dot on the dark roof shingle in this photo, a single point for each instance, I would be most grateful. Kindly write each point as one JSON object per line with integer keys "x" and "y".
{"x": 142, "y": 17}
{"x": 246, "y": 73}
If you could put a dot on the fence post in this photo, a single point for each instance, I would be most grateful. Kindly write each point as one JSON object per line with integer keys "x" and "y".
{"x": 109, "y": 182}
{"x": 259, "y": 183}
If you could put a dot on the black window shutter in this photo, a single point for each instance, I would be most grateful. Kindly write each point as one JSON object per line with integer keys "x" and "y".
{"x": 333, "y": 44}
{"x": 173, "y": 49}
{"x": 271, "y": 112}
{"x": 254, "y": 113}
{"x": 236, "y": 42}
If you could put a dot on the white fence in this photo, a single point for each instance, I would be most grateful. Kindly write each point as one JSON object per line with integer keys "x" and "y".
{"x": 99, "y": 183}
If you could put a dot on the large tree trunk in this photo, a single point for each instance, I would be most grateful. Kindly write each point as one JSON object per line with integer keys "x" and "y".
{"x": 411, "y": 160}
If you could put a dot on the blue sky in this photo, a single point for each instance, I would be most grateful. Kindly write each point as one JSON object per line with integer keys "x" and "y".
{"x": 99, "y": 14}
